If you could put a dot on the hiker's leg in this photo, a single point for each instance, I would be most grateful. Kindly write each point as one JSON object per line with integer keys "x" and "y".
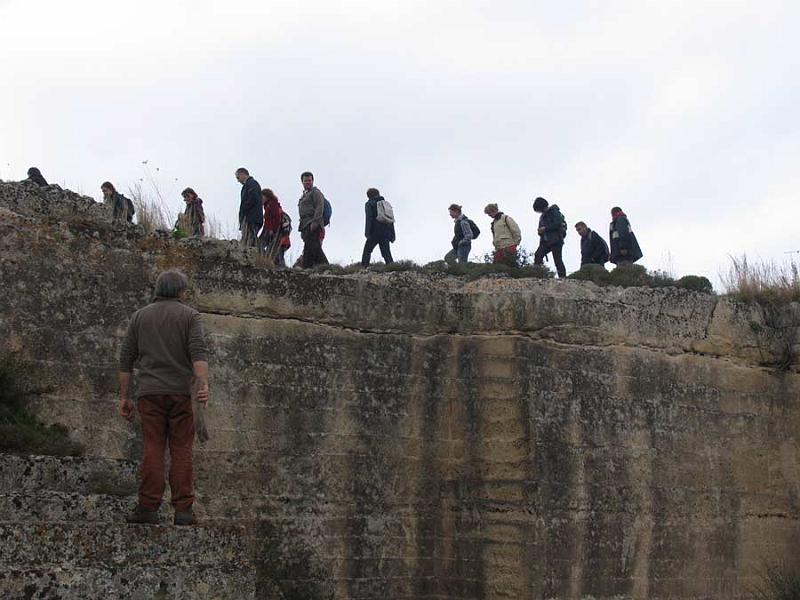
{"x": 541, "y": 252}
{"x": 451, "y": 257}
{"x": 181, "y": 436}
{"x": 463, "y": 252}
{"x": 153, "y": 414}
{"x": 560, "y": 268}
{"x": 386, "y": 251}
{"x": 366, "y": 255}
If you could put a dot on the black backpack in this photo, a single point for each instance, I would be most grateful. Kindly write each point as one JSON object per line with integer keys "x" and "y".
{"x": 562, "y": 224}
{"x": 475, "y": 230}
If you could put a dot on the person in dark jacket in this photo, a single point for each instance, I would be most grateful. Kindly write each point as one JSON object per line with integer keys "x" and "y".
{"x": 551, "y": 234}
{"x": 624, "y": 247}
{"x": 193, "y": 218}
{"x": 35, "y": 175}
{"x": 462, "y": 236}
{"x": 121, "y": 207}
{"x": 594, "y": 250}
{"x": 377, "y": 233}
{"x": 251, "y": 217}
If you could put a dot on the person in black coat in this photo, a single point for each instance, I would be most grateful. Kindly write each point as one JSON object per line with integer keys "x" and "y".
{"x": 251, "y": 216}
{"x": 624, "y": 246}
{"x": 551, "y": 234}
{"x": 594, "y": 250}
{"x": 35, "y": 175}
{"x": 377, "y": 233}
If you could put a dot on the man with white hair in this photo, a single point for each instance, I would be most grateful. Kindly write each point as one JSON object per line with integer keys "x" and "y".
{"x": 165, "y": 339}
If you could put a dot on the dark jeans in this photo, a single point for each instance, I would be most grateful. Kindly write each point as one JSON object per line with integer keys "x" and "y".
{"x": 166, "y": 420}
{"x": 312, "y": 248}
{"x": 369, "y": 246}
{"x": 544, "y": 249}
{"x": 250, "y": 234}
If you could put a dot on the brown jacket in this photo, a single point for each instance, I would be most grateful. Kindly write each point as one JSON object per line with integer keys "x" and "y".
{"x": 165, "y": 337}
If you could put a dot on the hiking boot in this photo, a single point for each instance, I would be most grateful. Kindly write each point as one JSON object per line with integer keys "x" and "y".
{"x": 185, "y": 517}
{"x": 143, "y": 516}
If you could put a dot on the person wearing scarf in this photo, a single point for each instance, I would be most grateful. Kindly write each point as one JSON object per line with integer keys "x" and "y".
{"x": 624, "y": 246}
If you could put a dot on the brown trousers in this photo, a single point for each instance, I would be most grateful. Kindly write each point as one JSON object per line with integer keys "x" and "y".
{"x": 166, "y": 419}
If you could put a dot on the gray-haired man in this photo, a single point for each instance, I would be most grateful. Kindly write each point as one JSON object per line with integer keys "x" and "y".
{"x": 166, "y": 339}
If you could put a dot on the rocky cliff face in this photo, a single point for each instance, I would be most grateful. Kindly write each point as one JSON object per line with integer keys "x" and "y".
{"x": 408, "y": 436}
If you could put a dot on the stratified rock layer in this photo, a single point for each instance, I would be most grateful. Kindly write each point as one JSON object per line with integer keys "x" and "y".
{"x": 409, "y": 436}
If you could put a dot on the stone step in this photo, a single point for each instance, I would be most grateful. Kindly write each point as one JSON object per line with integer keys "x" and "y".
{"x": 85, "y": 474}
{"x": 131, "y": 582}
{"x": 70, "y": 507}
{"x": 109, "y": 545}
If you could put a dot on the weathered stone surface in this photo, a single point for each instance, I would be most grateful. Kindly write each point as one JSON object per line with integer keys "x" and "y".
{"x": 409, "y": 436}
{"x": 131, "y": 582}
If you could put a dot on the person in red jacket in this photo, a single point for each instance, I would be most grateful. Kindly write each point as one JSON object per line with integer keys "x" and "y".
{"x": 274, "y": 226}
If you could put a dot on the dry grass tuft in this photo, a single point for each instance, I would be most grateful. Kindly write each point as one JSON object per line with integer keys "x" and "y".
{"x": 762, "y": 281}
{"x": 152, "y": 213}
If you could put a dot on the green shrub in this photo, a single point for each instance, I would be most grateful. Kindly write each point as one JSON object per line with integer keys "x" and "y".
{"x": 20, "y": 430}
{"x": 695, "y": 283}
{"x": 638, "y": 276}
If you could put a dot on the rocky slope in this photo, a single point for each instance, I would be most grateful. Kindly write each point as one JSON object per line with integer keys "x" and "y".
{"x": 410, "y": 436}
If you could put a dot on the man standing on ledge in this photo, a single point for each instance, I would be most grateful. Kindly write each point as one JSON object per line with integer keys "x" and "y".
{"x": 251, "y": 218}
{"x": 312, "y": 222}
{"x": 166, "y": 338}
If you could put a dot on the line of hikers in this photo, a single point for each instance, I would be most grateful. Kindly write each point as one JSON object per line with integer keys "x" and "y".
{"x": 265, "y": 225}
{"x": 552, "y": 231}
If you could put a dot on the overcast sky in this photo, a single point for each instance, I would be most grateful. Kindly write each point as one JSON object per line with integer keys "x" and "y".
{"x": 683, "y": 113}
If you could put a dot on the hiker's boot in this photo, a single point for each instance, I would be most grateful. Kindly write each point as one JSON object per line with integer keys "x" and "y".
{"x": 143, "y": 516}
{"x": 185, "y": 517}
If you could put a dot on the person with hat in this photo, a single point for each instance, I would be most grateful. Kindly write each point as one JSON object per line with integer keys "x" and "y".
{"x": 506, "y": 236}
{"x": 462, "y": 238}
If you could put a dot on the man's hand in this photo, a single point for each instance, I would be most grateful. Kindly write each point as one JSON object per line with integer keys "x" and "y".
{"x": 623, "y": 252}
{"x": 314, "y": 227}
{"x": 127, "y": 409}
{"x": 202, "y": 393}
{"x": 540, "y": 230}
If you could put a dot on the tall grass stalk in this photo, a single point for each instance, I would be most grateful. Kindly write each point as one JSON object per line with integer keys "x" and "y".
{"x": 152, "y": 211}
{"x": 762, "y": 281}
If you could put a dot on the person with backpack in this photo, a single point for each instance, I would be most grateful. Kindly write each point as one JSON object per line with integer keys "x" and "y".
{"x": 315, "y": 213}
{"x": 379, "y": 227}
{"x": 277, "y": 226}
{"x": 594, "y": 250}
{"x": 506, "y": 236}
{"x": 121, "y": 207}
{"x": 251, "y": 217}
{"x": 464, "y": 232}
{"x": 552, "y": 230}
{"x": 193, "y": 219}
{"x": 35, "y": 175}
{"x": 624, "y": 247}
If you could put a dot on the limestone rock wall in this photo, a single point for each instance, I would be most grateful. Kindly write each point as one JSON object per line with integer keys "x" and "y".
{"x": 401, "y": 436}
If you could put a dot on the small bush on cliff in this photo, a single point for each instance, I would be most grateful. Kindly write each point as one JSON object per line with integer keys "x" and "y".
{"x": 20, "y": 430}
{"x": 638, "y": 276}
